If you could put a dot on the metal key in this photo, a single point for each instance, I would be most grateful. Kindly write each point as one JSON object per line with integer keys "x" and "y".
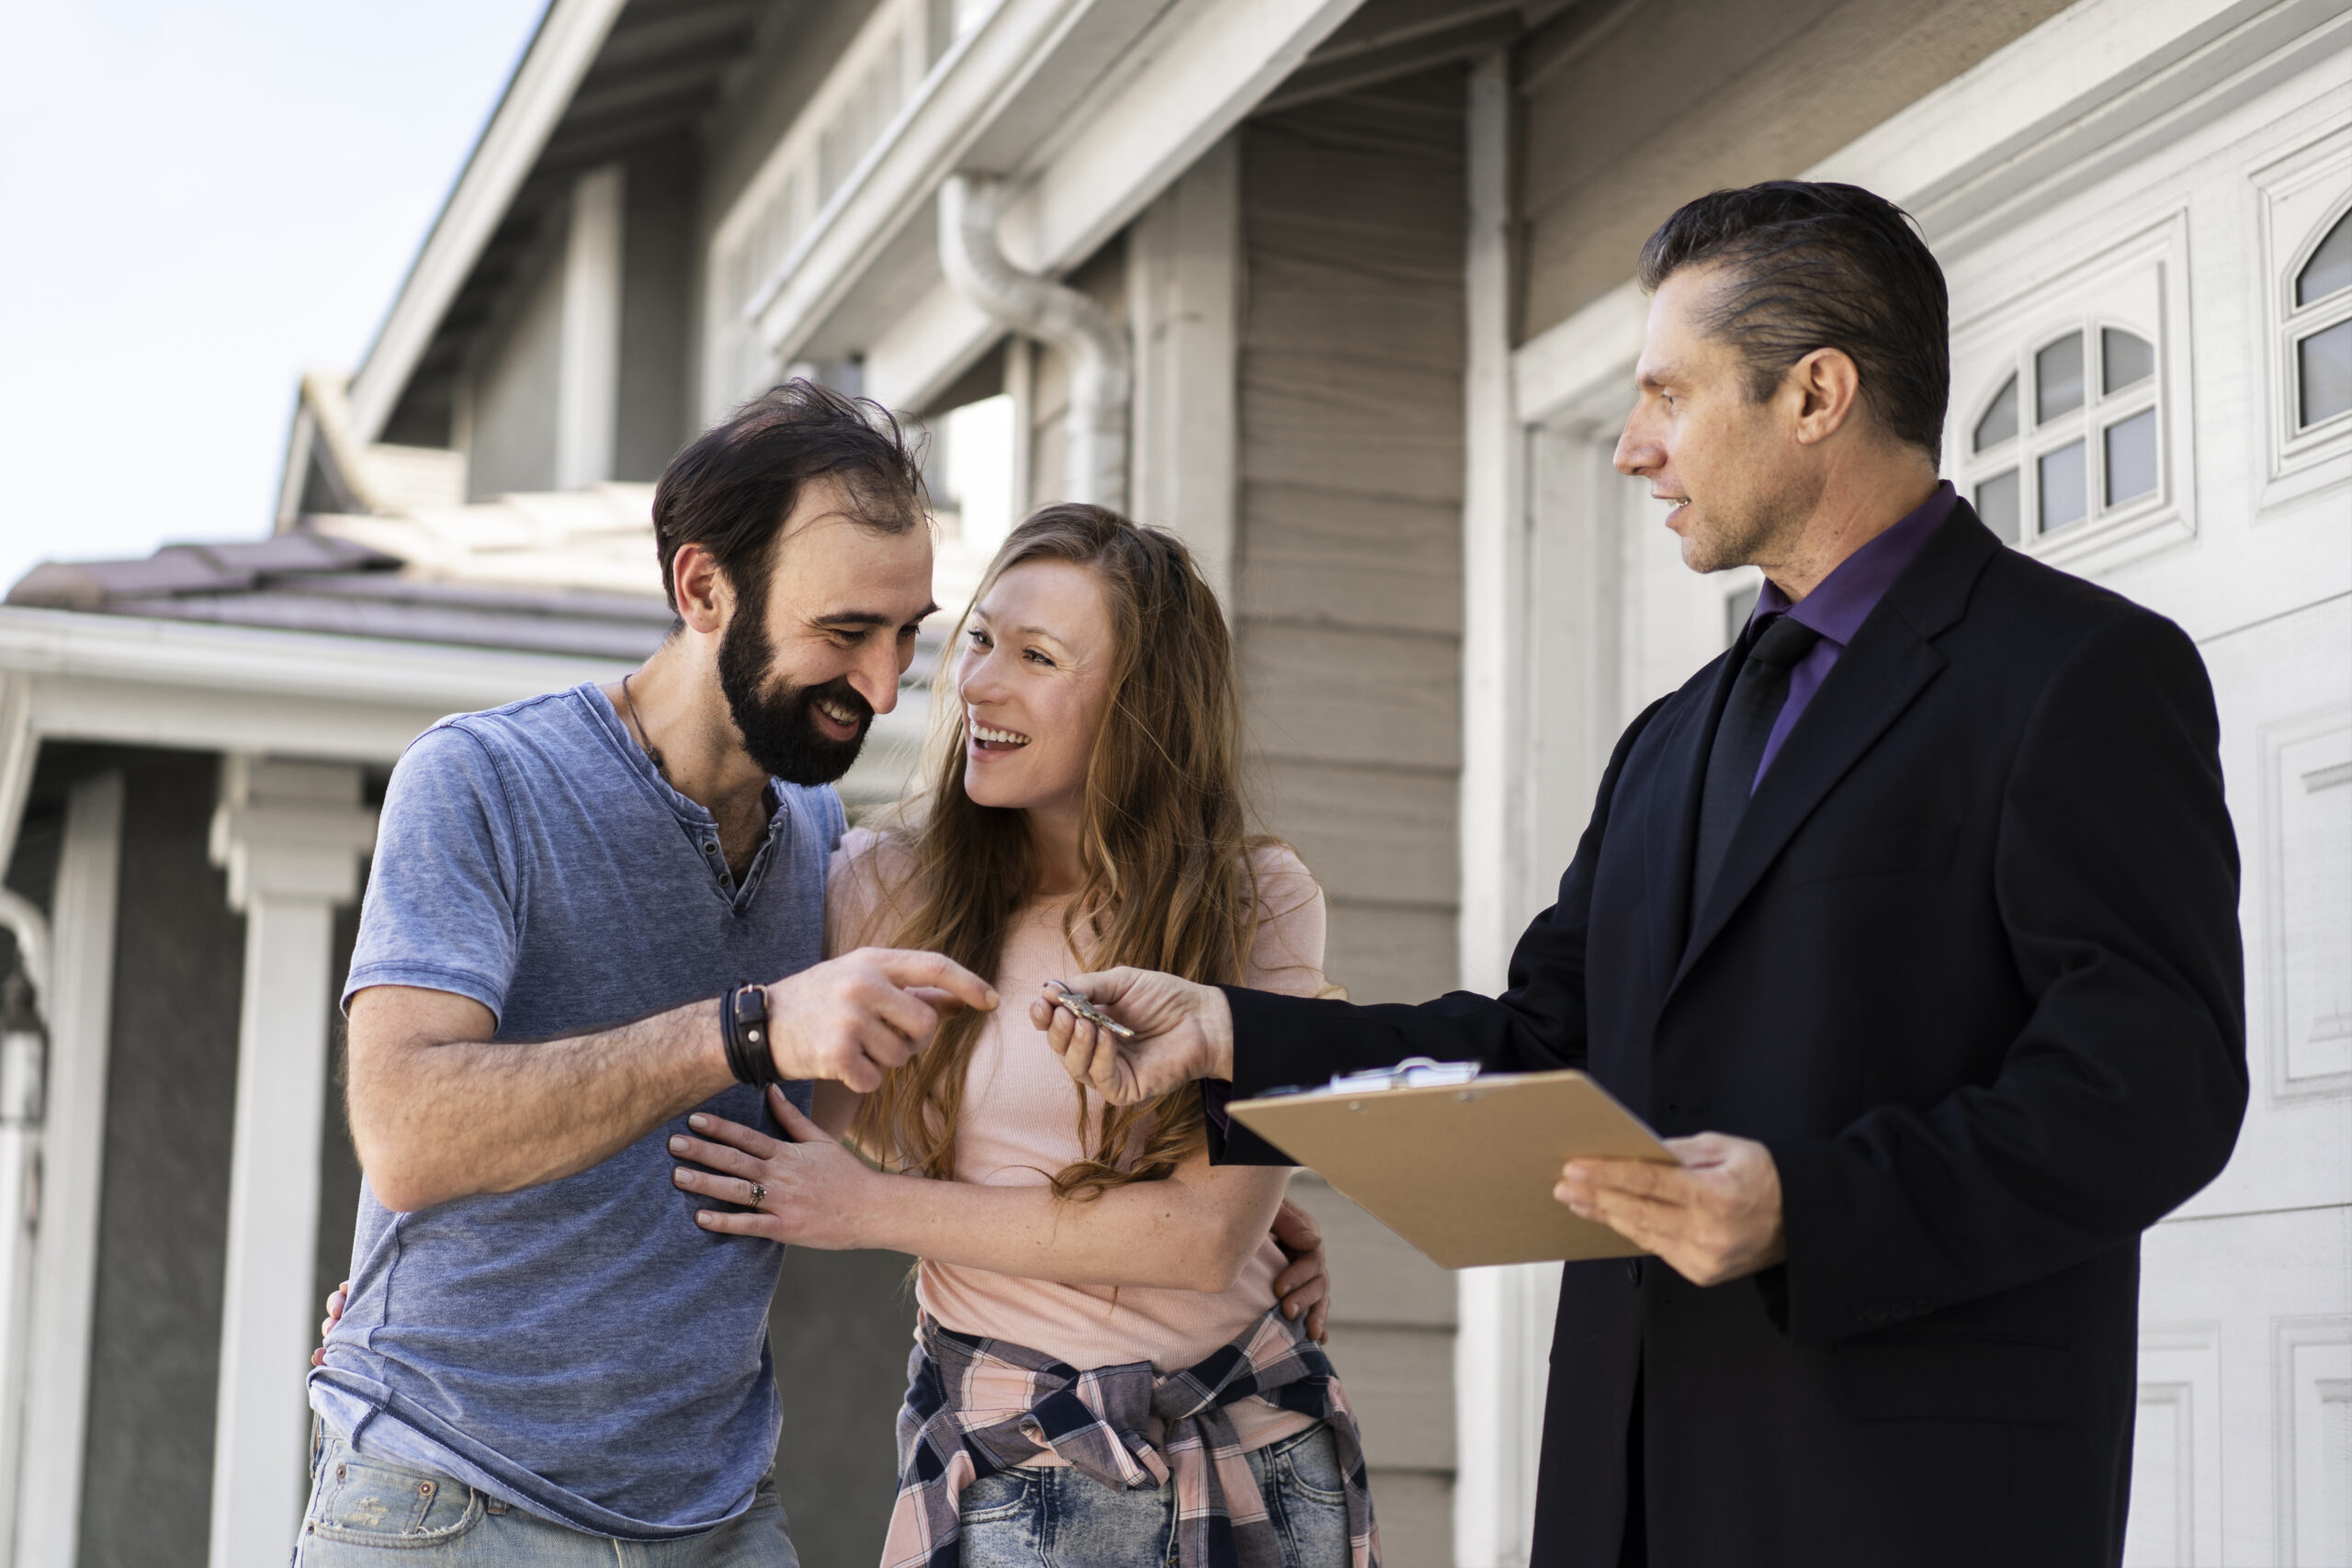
{"x": 1080, "y": 1008}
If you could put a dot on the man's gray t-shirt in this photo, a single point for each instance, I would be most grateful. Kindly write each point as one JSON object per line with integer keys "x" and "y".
{"x": 581, "y": 1348}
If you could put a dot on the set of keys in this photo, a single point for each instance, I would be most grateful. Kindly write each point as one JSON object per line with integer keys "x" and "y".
{"x": 1078, "y": 1007}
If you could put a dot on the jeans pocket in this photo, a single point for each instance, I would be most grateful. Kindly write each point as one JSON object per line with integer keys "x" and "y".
{"x": 1006, "y": 1495}
{"x": 364, "y": 1502}
{"x": 1309, "y": 1464}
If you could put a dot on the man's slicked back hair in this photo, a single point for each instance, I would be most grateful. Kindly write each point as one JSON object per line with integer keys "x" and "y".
{"x": 732, "y": 489}
{"x": 1809, "y": 266}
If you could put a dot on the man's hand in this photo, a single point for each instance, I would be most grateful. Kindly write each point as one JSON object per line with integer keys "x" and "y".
{"x": 1715, "y": 1217}
{"x": 853, "y": 1017}
{"x": 1306, "y": 1285}
{"x": 1184, "y": 1032}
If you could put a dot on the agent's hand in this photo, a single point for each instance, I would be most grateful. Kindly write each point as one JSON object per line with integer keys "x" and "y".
{"x": 805, "y": 1192}
{"x": 1184, "y": 1032}
{"x": 1306, "y": 1285}
{"x": 1715, "y": 1217}
{"x": 851, "y": 1019}
{"x": 338, "y": 1300}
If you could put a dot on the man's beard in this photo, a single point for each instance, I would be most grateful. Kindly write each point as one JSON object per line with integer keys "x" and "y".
{"x": 779, "y": 730}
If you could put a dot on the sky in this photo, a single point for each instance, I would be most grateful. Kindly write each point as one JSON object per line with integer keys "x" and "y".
{"x": 199, "y": 199}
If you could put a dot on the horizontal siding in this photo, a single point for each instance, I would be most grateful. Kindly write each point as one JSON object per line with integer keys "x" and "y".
{"x": 1347, "y": 615}
{"x": 1370, "y": 837}
{"x": 1416, "y": 1513}
{"x": 1338, "y": 694}
{"x": 1320, "y": 556}
{"x": 1611, "y": 144}
{"x": 1384, "y": 954}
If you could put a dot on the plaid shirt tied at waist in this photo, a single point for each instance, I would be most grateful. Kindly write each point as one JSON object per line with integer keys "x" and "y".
{"x": 952, "y": 1432}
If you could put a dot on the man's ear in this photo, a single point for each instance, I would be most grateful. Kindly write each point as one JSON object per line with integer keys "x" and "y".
{"x": 1828, "y": 387}
{"x": 703, "y": 595}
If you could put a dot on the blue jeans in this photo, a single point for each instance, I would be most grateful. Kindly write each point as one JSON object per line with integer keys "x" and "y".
{"x": 366, "y": 1514}
{"x": 1047, "y": 1517}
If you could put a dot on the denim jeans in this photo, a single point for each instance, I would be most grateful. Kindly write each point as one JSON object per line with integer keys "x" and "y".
{"x": 366, "y": 1514}
{"x": 1047, "y": 1517}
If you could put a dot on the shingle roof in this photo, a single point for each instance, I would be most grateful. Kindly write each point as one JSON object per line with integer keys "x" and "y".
{"x": 304, "y": 580}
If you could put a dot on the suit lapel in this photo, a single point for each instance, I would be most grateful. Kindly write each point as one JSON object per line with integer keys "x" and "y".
{"x": 1891, "y": 661}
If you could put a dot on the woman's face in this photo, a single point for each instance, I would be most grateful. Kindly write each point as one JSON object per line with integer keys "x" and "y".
{"x": 1035, "y": 677}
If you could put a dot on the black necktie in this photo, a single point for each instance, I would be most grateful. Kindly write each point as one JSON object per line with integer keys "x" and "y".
{"x": 1756, "y": 700}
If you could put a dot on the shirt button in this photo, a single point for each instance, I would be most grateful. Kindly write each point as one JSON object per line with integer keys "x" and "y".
{"x": 710, "y": 846}
{"x": 1634, "y": 1271}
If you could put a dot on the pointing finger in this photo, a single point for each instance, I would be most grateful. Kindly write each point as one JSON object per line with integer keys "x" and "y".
{"x": 940, "y": 972}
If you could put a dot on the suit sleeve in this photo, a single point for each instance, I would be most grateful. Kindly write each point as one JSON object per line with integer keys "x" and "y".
{"x": 1539, "y": 1022}
{"x": 2116, "y": 878}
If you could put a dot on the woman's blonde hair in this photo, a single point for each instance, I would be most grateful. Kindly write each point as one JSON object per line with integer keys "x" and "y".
{"x": 1168, "y": 881}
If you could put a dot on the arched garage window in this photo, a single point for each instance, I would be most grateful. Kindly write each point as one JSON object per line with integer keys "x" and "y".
{"x": 2319, "y": 329}
{"x": 2070, "y": 433}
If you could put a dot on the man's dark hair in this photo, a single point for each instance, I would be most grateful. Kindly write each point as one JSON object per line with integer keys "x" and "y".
{"x": 731, "y": 490}
{"x": 1810, "y": 267}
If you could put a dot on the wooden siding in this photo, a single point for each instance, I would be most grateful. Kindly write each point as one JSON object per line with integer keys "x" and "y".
{"x": 1630, "y": 112}
{"x": 1346, "y": 608}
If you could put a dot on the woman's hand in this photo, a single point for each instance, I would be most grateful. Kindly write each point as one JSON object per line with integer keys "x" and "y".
{"x": 336, "y": 1300}
{"x": 1306, "y": 1285}
{"x": 805, "y": 1193}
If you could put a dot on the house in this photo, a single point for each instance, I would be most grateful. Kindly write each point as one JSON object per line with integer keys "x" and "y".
{"x": 1342, "y": 291}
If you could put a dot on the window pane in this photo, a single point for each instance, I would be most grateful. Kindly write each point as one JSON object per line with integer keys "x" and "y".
{"x": 2058, "y": 379}
{"x": 2330, "y": 269}
{"x": 2063, "y": 499}
{"x": 2324, "y": 373}
{"x": 2132, "y": 457}
{"x": 2000, "y": 421}
{"x": 2126, "y": 359}
{"x": 1996, "y": 503}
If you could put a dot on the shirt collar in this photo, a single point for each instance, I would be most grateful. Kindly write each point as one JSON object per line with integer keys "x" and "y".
{"x": 1844, "y": 600}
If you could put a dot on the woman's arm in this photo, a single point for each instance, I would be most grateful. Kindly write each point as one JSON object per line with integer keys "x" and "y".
{"x": 1193, "y": 1231}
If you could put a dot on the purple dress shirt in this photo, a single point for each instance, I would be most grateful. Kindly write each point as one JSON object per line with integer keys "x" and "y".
{"x": 1837, "y": 608}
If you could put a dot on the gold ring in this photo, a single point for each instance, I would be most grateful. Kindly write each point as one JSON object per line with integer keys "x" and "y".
{"x": 758, "y": 1194}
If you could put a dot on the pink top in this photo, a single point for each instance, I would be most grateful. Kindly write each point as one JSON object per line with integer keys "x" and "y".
{"x": 1020, "y": 1123}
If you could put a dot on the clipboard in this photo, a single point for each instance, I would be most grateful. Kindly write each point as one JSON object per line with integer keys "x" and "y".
{"x": 1461, "y": 1164}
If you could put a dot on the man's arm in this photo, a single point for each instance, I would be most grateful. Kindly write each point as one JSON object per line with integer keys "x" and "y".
{"x": 440, "y": 1110}
{"x": 1260, "y": 1041}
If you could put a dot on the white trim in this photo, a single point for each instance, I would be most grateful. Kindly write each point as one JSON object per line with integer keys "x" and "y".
{"x": 291, "y": 836}
{"x": 1504, "y": 1323}
{"x": 342, "y": 670}
{"x": 588, "y": 364}
{"x": 1149, "y": 109}
{"x": 1184, "y": 306}
{"x": 559, "y": 55}
{"x": 19, "y": 749}
{"x": 1493, "y": 548}
{"x": 2039, "y": 107}
{"x": 1560, "y": 368}
{"x": 2046, "y": 104}
{"x": 66, "y": 1251}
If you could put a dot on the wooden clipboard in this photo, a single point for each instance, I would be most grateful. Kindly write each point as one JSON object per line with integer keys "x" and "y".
{"x": 1464, "y": 1172}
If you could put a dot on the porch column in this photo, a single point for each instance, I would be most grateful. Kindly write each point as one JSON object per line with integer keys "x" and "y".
{"x": 290, "y": 835}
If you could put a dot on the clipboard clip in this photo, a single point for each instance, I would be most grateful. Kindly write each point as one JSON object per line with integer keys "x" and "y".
{"x": 1413, "y": 1072}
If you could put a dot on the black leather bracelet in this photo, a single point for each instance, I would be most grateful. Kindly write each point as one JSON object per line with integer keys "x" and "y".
{"x": 743, "y": 1028}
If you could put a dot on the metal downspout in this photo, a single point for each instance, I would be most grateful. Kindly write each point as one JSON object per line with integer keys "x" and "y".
{"x": 1102, "y": 367}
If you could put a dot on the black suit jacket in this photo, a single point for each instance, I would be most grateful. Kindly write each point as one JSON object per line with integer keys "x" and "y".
{"x": 1972, "y": 972}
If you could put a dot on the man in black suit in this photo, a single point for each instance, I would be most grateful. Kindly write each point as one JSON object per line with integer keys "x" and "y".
{"x": 1911, "y": 920}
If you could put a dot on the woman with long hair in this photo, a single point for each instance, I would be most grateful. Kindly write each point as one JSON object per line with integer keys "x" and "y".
{"x": 1103, "y": 1375}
